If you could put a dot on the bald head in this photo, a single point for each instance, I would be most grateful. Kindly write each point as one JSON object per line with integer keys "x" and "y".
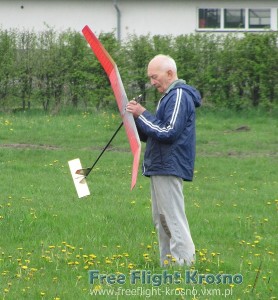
{"x": 165, "y": 62}
{"x": 162, "y": 71}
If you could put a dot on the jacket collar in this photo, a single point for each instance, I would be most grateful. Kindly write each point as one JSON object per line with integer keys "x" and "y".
{"x": 176, "y": 82}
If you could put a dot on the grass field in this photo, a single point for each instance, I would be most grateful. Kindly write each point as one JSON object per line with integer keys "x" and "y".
{"x": 50, "y": 239}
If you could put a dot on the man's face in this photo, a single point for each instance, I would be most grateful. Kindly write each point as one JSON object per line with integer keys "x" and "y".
{"x": 159, "y": 78}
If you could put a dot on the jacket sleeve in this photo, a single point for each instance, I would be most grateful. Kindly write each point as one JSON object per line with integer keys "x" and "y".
{"x": 170, "y": 119}
{"x": 143, "y": 137}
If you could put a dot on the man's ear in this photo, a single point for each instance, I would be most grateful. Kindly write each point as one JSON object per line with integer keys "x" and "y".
{"x": 170, "y": 73}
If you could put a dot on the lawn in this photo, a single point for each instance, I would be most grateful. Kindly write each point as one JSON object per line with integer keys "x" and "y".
{"x": 56, "y": 246}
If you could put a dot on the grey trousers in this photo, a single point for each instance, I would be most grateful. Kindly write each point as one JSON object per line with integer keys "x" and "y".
{"x": 175, "y": 241}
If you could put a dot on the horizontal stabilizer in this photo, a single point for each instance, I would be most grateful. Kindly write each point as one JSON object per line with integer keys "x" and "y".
{"x": 80, "y": 183}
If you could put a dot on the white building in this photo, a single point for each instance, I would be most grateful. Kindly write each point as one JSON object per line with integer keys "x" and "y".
{"x": 141, "y": 17}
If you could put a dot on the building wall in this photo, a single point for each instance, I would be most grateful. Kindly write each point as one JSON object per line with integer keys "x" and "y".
{"x": 35, "y": 14}
{"x": 137, "y": 17}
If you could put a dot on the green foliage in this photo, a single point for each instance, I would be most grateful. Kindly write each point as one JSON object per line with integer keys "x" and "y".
{"x": 7, "y": 66}
{"x": 53, "y": 70}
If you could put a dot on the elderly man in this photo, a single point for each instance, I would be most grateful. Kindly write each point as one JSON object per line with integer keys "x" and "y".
{"x": 169, "y": 157}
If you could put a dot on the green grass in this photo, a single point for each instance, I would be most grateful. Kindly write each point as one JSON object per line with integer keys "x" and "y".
{"x": 50, "y": 238}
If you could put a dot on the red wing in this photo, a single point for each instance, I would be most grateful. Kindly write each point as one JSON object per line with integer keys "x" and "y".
{"x": 112, "y": 72}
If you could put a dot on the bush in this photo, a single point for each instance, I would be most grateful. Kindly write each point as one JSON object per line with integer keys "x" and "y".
{"x": 51, "y": 70}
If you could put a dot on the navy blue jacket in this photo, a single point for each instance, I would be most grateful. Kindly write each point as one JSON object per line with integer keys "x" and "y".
{"x": 170, "y": 133}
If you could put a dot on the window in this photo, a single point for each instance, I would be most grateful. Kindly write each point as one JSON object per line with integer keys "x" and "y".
{"x": 209, "y": 18}
{"x": 259, "y": 18}
{"x": 234, "y": 18}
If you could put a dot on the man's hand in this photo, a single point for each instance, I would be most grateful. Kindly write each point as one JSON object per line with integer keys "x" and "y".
{"x": 135, "y": 108}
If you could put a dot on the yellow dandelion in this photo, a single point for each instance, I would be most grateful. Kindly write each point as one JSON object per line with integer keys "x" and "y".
{"x": 130, "y": 266}
{"x": 34, "y": 269}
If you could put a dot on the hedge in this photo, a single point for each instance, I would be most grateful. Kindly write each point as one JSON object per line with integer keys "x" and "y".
{"x": 51, "y": 70}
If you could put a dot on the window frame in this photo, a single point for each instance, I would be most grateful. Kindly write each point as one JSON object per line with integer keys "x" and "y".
{"x": 273, "y": 23}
